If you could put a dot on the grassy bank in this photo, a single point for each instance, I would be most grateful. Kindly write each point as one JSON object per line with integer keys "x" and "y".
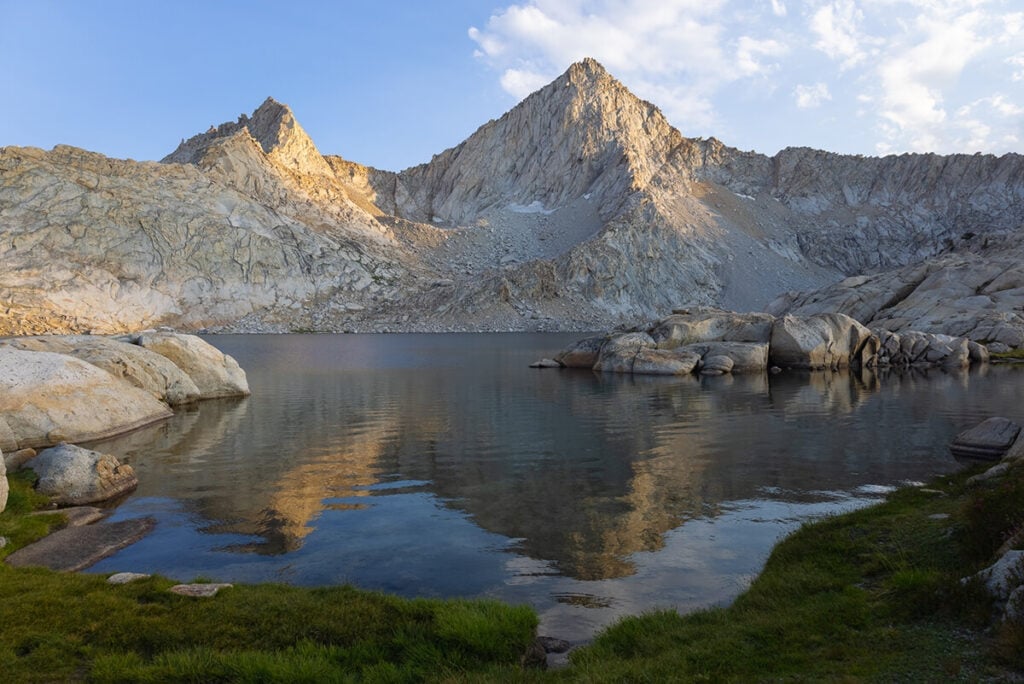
{"x": 870, "y": 595}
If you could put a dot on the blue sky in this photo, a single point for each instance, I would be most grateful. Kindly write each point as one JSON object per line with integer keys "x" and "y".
{"x": 391, "y": 83}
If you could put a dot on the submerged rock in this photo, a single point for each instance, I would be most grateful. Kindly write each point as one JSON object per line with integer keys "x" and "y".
{"x": 71, "y": 475}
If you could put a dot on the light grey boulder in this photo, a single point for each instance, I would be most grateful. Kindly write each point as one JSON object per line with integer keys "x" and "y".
{"x": 665, "y": 362}
{"x": 818, "y": 342}
{"x": 618, "y": 353}
{"x": 48, "y": 398}
{"x": 708, "y": 324}
{"x": 1005, "y": 575}
{"x": 215, "y": 374}
{"x": 583, "y": 353}
{"x": 138, "y": 366}
{"x": 545, "y": 363}
{"x": 4, "y": 486}
{"x": 71, "y": 475}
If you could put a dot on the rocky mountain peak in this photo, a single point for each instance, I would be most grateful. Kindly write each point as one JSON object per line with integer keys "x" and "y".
{"x": 582, "y": 135}
{"x": 274, "y": 127}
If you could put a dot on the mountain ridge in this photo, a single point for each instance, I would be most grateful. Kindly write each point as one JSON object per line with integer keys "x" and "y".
{"x": 579, "y": 208}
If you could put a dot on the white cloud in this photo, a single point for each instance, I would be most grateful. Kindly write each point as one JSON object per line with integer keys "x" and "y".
{"x": 903, "y": 70}
{"x": 810, "y": 96}
{"x": 522, "y": 82}
{"x": 836, "y": 25}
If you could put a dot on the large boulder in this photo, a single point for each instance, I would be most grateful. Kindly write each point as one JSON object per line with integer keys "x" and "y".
{"x": 583, "y": 353}
{"x": 4, "y": 487}
{"x": 47, "y": 398}
{"x": 707, "y": 324}
{"x": 618, "y": 353}
{"x": 140, "y": 367}
{"x": 215, "y": 374}
{"x": 820, "y": 341}
{"x": 72, "y": 476}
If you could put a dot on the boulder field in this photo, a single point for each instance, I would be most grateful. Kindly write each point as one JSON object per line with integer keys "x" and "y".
{"x": 712, "y": 342}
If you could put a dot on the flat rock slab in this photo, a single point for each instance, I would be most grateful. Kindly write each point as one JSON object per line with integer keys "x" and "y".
{"x": 198, "y": 590}
{"x": 77, "y": 516}
{"x": 989, "y": 440}
{"x": 126, "y": 577}
{"x": 76, "y": 548}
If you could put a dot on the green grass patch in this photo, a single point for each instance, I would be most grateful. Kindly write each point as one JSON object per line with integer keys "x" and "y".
{"x": 1012, "y": 355}
{"x": 872, "y": 595}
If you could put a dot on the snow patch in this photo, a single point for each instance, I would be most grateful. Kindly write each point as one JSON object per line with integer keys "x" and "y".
{"x": 746, "y": 197}
{"x": 534, "y": 207}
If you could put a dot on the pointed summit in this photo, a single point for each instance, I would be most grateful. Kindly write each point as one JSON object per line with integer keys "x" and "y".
{"x": 582, "y": 134}
{"x": 274, "y": 127}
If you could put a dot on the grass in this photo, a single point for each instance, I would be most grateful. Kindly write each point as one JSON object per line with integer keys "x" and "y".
{"x": 872, "y": 595}
{"x": 66, "y": 627}
{"x": 1012, "y": 355}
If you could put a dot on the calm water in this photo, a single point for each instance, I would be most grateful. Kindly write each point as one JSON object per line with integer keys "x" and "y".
{"x": 440, "y": 465}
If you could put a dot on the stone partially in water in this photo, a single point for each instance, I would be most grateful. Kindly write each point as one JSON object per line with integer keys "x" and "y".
{"x": 48, "y": 398}
{"x": 215, "y": 374}
{"x": 989, "y": 440}
{"x": 72, "y": 475}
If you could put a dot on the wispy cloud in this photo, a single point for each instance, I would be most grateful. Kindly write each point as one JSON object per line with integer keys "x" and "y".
{"x": 900, "y": 75}
{"x": 810, "y": 96}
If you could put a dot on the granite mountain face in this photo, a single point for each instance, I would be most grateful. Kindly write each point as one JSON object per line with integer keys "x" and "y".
{"x": 580, "y": 208}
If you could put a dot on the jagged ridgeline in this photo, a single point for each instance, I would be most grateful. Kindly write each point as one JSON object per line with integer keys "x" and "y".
{"x": 581, "y": 208}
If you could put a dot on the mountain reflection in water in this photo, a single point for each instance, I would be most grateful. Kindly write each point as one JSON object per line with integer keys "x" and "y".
{"x": 442, "y": 465}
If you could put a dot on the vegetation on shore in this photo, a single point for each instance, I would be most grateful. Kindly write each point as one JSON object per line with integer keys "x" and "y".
{"x": 870, "y": 595}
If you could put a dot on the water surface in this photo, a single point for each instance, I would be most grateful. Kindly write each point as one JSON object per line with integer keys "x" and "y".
{"x": 440, "y": 465}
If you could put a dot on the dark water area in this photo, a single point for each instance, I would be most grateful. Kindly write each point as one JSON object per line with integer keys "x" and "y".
{"x": 441, "y": 465}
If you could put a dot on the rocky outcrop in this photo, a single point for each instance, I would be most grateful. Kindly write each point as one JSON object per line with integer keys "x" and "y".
{"x": 979, "y": 296}
{"x": 713, "y": 342}
{"x": 47, "y": 398}
{"x": 73, "y": 476}
{"x": 581, "y": 208}
{"x": 140, "y": 367}
{"x": 829, "y": 341}
{"x": 82, "y": 388}
{"x": 215, "y": 374}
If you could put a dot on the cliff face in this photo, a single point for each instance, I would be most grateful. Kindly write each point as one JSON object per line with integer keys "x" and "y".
{"x": 579, "y": 208}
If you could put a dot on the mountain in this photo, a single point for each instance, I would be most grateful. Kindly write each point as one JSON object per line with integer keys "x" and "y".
{"x": 580, "y": 208}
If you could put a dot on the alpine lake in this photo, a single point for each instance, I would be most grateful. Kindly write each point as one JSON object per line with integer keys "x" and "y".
{"x": 441, "y": 465}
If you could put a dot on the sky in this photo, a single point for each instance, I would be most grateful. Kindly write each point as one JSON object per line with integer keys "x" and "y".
{"x": 391, "y": 83}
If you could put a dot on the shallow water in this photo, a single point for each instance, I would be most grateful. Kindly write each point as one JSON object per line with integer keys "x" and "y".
{"x": 440, "y": 465}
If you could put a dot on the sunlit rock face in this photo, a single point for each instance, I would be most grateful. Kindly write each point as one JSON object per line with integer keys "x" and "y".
{"x": 580, "y": 208}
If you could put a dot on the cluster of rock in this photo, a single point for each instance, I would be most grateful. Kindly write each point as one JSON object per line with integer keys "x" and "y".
{"x": 712, "y": 342}
{"x": 56, "y": 389}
